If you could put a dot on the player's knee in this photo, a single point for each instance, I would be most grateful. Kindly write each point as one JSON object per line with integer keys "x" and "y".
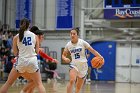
{"x": 37, "y": 83}
{"x": 72, "y": 81}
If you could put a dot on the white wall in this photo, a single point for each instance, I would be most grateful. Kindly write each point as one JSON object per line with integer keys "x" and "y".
{"x": 39, "y": 10}
{"x": 127, "y": 67}
{"x": 123, "y": 60}
{"x": 135, "y": 61}
{"x": 11, "y": 13}
{"x": 50, "y": 14}
{"x": 1, "y": 11}
{"x": 77, "y": 13}
{"x": 56, "y": 45}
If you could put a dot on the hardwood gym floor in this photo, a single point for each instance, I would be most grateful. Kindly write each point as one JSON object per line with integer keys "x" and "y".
{"x": 93, "y": 87}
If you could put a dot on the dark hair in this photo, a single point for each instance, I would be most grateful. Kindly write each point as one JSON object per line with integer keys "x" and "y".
{"x": 24, "y": 24}
{"x": 36, "y": 30}
{"x": 76, "y": 29}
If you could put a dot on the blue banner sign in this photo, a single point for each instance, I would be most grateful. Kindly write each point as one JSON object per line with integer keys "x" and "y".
{"x": 125, "y": 13}
{"x": 122, "y": 9}
{"x": 64, "y": 14}
{"x": 23, "y": 10}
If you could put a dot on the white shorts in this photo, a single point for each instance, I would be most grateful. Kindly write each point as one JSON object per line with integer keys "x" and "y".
{"x": 29, "y": 65}
{"x": 81, "y": 67}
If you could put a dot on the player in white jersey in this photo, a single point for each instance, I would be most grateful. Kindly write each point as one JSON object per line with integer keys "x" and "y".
{"x": 78, "y": 65}
{"x": 30, "y": 86}
{"x": 27, "y": 60}
{"x": 25, "y": 47}
{"x": 79, "y": 60}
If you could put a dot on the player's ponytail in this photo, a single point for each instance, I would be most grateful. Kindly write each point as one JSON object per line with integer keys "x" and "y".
{"x": 24, "y": 24}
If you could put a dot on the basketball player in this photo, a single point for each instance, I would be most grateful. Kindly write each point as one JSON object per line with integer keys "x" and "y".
{"x": 78, "y": 65}
{"x": 25, "y": 47}
{"x": 30, "y": 86}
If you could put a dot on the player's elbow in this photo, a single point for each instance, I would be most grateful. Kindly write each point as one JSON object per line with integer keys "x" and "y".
{"x": 63, "y": 57}
{"x": 37, "y": 51}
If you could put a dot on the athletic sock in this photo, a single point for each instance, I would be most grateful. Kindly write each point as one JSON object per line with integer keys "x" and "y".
{"x": 22, "y": 91}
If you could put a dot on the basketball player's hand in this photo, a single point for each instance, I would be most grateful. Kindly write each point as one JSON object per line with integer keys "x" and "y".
{"x": 13, "y": 60}
{"x": 101, "y": 62}
{"x": 67, "y": 60}
{"x": 41, "y": 49}
{"x": 47, "y": 60}
{"x": 101, "y": 57}
{"x": 55, "y": 60}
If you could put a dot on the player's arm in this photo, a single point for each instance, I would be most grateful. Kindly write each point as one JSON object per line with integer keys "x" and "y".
{"x": 93, "y": 51}
{"x": 64, "y": 56}
{"x": 37, "y": 45}
{"x": 14, "y": 46}
{"x": 45, "y": 56}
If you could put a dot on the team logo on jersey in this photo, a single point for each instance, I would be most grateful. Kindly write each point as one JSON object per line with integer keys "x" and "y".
{"x": 76, "y": 50}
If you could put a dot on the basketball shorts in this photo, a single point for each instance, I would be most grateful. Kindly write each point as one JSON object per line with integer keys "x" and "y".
{"x": 81, "y": 67}
{"x": 29, "y": 65}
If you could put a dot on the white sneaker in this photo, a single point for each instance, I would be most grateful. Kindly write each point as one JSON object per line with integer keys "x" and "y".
{"x": 58, "y": 77}
{"x": 88, "y": 80}
{"x": 88, "y": 83}
{"x": 48, "y": 80}
{"x": 24, "y": 81}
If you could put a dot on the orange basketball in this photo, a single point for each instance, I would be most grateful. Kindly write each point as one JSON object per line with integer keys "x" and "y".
{"x": 97, "y": 62}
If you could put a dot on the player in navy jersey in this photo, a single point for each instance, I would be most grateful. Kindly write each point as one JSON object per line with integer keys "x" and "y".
{"x": 78, "y": 65}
